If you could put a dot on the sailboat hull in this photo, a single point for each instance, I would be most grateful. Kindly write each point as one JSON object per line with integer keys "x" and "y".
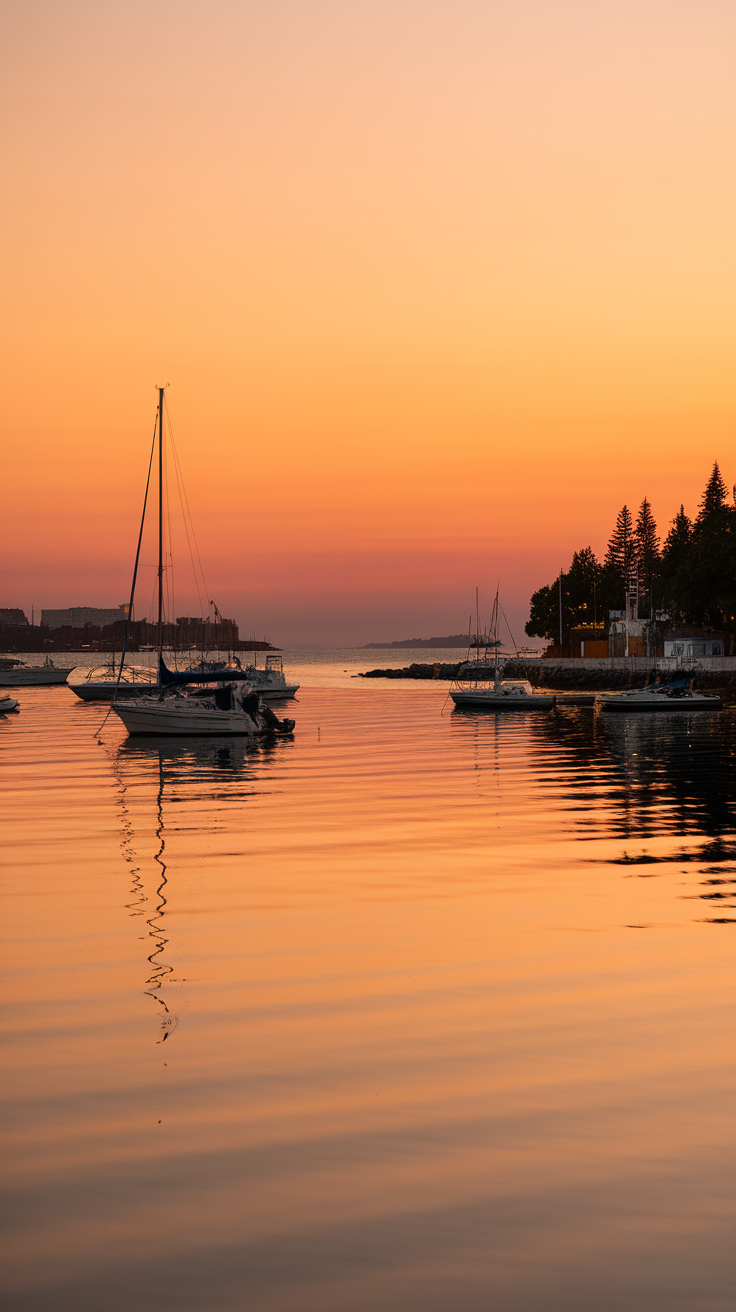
{"x": 107, "y": 691}
{"x": 499, "y": 701}
{"x": 159, "y": 717}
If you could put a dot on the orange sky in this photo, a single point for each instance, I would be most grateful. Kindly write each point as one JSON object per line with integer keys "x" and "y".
{"x": 437, "y": 287}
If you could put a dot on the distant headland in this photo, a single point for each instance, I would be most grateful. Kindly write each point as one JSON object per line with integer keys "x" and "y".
{"x": 454, "y": 640}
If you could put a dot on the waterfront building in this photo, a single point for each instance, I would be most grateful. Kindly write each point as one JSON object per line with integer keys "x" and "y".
{"x": 83, "y": 617}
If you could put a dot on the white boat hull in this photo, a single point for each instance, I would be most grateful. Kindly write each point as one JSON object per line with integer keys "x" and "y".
{"x": 164, "y": 717}
{"x": 182, "y": 717}
{"x": 275, "y": 692}
{"x": 500, "y": 701}
{"x": 30, "y": 677}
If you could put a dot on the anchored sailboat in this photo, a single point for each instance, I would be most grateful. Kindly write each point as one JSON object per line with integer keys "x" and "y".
{"x": 478, "y": 682}
{"x": 181, "y": 703}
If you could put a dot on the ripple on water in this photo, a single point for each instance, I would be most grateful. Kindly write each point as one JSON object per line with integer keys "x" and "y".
{"x": 413, "y": 1011}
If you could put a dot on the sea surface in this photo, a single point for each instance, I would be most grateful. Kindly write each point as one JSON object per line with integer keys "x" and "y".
{"x": 419, "y": 1011}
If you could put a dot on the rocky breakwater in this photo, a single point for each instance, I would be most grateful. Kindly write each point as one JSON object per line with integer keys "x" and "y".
{"x": 415, "y": 671}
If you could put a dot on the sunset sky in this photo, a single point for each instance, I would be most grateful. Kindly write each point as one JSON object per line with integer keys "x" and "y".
{"x": 437, "y": 285}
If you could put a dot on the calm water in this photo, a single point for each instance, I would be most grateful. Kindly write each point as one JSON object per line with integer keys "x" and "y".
{"x": 416, "y": 1012}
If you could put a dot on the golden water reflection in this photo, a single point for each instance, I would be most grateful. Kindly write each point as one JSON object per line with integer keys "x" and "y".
{"x": 452, "y": 1001}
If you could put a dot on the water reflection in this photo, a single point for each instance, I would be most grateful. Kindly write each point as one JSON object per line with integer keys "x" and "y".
{"x": 638, "y": 779}
{"x": 183, "y": 771}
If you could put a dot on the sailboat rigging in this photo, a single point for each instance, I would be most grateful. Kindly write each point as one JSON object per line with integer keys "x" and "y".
{"x": 178, "y": 703}
{"x": 478, "y": 682}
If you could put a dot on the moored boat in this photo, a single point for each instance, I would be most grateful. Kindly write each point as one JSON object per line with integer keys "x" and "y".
{"x": 661, "y": 698}
{"x": 178, "y": 703}
{"x": 8, "y": 704}
{"x": 18, "y": 674}
{"x": 478, "y": 682}
{"x": 229, "y": 708}
{"x": 473, "y": 688}
{"x": 270, "y": 683}
{"x": 102, "y": 683}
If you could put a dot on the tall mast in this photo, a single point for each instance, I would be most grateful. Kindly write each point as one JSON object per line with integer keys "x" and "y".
{"x": 160, "y": 520}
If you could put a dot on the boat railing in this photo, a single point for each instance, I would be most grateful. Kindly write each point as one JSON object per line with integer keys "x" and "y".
{"x": 129, "y": 674}
{"x": 483, "y": 670}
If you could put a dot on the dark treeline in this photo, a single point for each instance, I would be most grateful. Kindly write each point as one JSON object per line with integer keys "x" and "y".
{"x": 690, "y": 578}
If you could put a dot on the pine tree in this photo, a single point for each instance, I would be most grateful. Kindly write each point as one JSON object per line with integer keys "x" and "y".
{"x": 676, "y": 586}
{"x": 647, "y": 552}
{"x": 678, "y": 538}
{"x": 620, "y": 556}
{"x": 647, "y": 540}
{"x": 715, "y": 495}
{"x": 712, "y": 600}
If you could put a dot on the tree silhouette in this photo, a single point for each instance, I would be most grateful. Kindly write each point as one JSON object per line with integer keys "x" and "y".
{"x": 712, "y": 559}
{"x": 692, "y": 577}
{"x": 620, "y": 558}
{"x": 647, "y": 549}
{"x": 675, "y": 567}
{"x": 714, "y": 497}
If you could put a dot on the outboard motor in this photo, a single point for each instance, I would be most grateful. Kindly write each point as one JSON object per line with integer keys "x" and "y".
{"x": 271, "y": 721}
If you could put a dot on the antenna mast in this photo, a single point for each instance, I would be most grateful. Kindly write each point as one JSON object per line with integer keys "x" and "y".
{"x": 160, "y": 520}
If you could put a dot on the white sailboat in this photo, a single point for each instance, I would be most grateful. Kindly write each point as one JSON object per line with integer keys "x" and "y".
{"x": 181, "y": 704}
{"x": 105, "y": 683}
{"x": 478, "y": 682}
{"x": 230, "y": 708}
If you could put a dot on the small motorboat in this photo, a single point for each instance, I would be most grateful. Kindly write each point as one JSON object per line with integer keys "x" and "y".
{"x": 8, "y": 704}
{"x": 270, "y": 683}
{"x": 677, "y": 695}
{"x": 18, "y": 674}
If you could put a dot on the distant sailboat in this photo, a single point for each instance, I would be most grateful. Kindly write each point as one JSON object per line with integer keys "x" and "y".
{"x": 478, "y": 682}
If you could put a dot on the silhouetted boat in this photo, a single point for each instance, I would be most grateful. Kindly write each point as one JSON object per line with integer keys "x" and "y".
{"x": 661, "y": 698}
{"x": 478, "y": 682}
{"x": 174, "y": 707}
{"x": 229, "y": 708}
{"x": 103, "y": 682}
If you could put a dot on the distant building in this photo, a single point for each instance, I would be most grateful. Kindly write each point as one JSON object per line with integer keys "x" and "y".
{"x": 691, "y": 647}
{"x": 10, "y": 616}
{"x": 83, "y": 617}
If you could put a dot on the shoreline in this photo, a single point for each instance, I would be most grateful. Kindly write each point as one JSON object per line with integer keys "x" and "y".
{"x": 593, "y": 675}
